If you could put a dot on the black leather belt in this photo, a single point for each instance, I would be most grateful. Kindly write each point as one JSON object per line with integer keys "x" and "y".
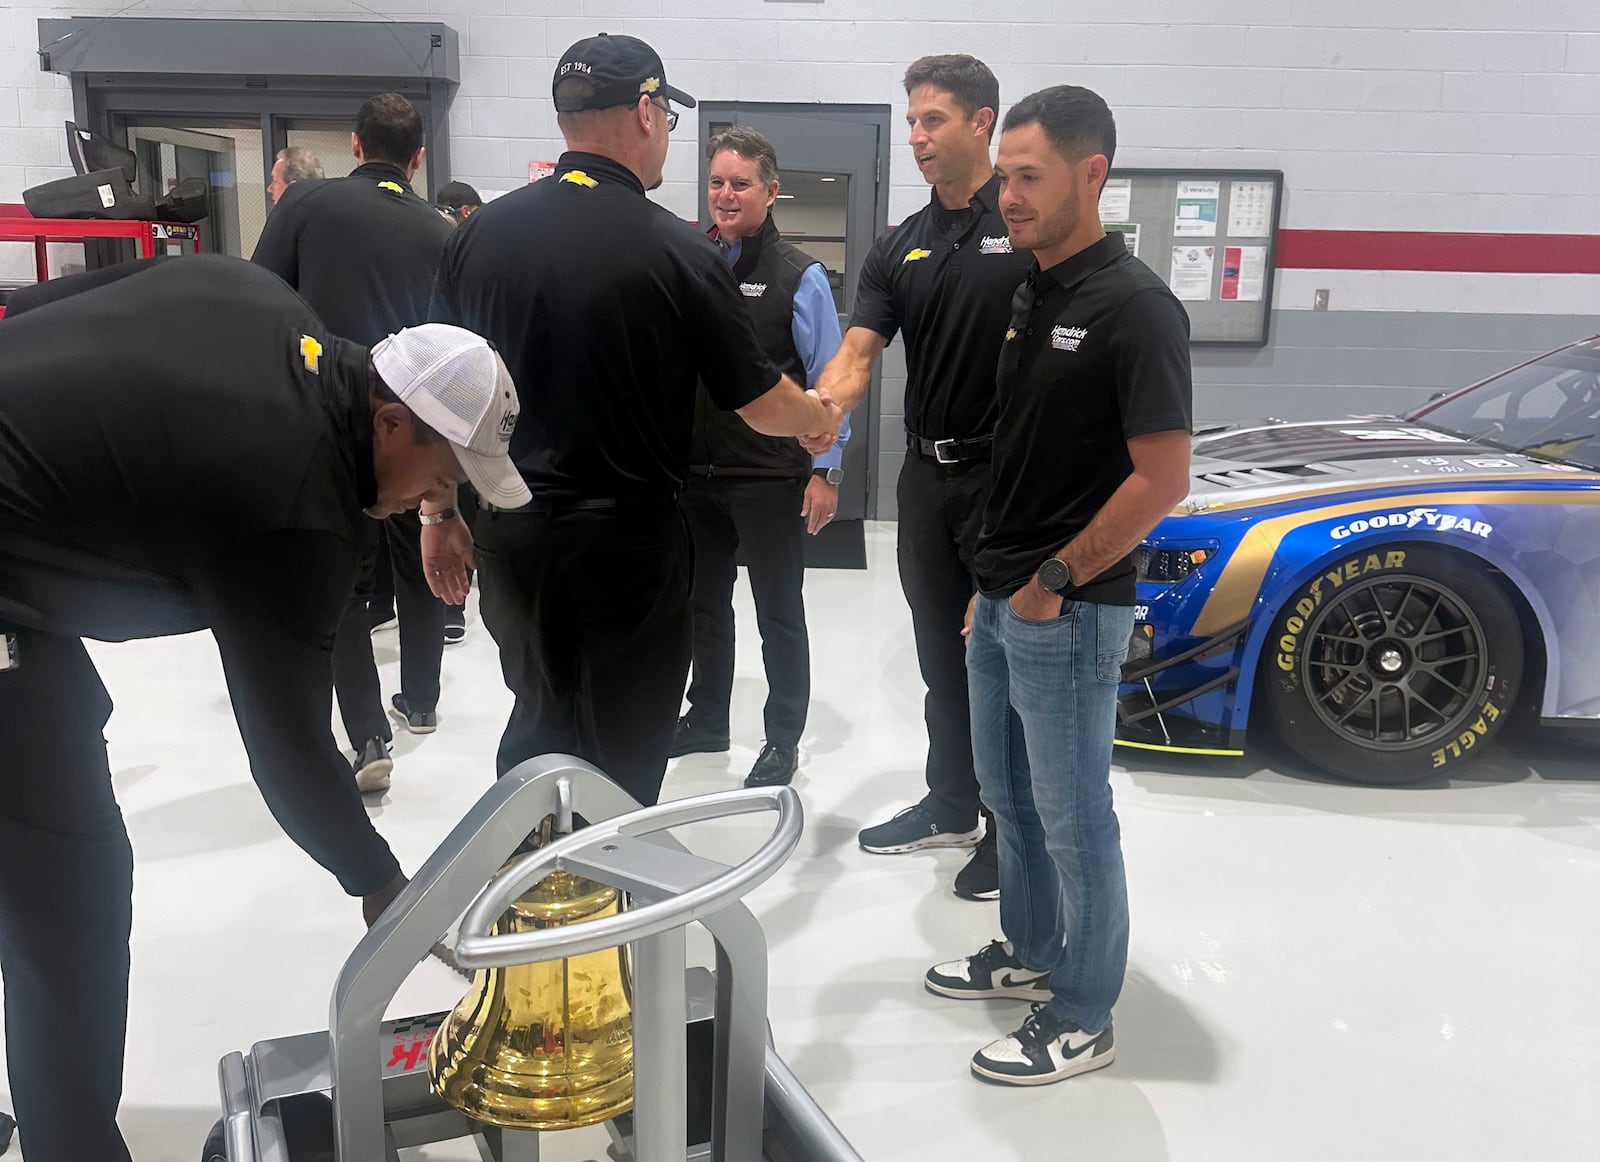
{"x": 588, "y": 504}
{"x": 950, "y": 451}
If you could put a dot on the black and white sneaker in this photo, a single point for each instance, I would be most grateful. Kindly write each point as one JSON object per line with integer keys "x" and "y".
{"x": 1047, "y": 1048}
{"x": 417, "y": 721}
{"x": 993, "y": 971}
{"x": 455, "y": 624}
{"x": 912, "y": 830}
{"x": 373, "y": 767}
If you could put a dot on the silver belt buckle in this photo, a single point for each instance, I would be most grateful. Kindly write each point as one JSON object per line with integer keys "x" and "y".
{"x": 939, "y": 449}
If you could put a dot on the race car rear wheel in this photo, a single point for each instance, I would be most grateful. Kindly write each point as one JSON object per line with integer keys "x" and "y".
{"x": 1392, "y": 665}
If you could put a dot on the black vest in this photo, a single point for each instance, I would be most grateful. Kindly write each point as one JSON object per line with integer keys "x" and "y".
{"x": 768, "y": 271}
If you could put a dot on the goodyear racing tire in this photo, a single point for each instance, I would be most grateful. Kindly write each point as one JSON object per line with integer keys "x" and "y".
{"x": 1392, "y": 664}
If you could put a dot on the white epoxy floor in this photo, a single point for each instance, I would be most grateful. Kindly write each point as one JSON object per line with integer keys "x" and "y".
{"x": 1318, "y": 972}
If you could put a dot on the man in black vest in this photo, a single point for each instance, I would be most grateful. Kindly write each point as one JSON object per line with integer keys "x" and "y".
{"x": 761, "y": 492}
{"x": 362, "y": 250}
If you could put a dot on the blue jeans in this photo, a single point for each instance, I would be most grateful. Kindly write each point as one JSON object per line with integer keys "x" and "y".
{"x": 1044, "y": 697}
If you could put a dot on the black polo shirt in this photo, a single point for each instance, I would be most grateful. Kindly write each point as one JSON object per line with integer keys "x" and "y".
{"x": 945, "y": 279}
{"x": 184, "y": 446}
{"x": 362, "y": 250}
{"x": 1097, "y": 353}
{"x": 607, "y": 309}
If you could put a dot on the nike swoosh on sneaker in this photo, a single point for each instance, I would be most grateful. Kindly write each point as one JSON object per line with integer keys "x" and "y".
{"x": 1076, "y": 1043}
{"x": 1010, "y": 980}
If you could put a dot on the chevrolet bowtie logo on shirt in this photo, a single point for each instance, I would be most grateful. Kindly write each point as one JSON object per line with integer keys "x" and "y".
{"x": 1011, "y": 333}
{"x": 311, "y": 352}
{"x": 394, "y": 186}
{"x": 913, "y": 255}
{"x": 578, "y": 178}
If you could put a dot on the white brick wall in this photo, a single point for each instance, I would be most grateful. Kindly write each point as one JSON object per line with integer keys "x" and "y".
{"x": 1419, "y": 114}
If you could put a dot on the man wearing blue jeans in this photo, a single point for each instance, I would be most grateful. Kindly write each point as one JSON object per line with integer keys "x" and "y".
{"x": 1091, "y": 449}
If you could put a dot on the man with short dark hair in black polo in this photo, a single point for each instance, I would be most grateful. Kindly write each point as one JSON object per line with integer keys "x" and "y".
{"x": 362, "y": 250}
{"x": 1091, "y": 449}
{"x": 613, "y": 308}
{"x": 944, "y": 278}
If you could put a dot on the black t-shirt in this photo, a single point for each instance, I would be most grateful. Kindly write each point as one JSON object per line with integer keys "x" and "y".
{"x": 145, "y": 493}
{"x": 945, "y": 278}
{"x": 1097, "y": 353}
{"x": 362, "y": 250}
{"x": 607, "y": 309}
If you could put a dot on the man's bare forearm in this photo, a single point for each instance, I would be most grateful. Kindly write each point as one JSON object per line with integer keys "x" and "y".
{"x": 1135, "y": 508}
{"x": 786, "y": 410}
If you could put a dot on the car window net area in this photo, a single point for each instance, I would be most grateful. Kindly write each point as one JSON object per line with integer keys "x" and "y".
{"x": 1549, "y": 408}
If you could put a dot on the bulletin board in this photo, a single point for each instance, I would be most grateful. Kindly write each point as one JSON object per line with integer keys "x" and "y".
{"x": 1211, "y": 235}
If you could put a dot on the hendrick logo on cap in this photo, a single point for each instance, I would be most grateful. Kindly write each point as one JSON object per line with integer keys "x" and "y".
{"x": 508, "y": 424}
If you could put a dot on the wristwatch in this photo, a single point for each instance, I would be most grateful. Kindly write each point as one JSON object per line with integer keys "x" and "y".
{"x": 437, "y": 518}
{"x": 831, "y": 475}
{"x": 1055, "y": 575}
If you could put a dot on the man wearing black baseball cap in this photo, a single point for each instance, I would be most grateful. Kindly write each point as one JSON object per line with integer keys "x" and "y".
{"x": 614, "y": 309}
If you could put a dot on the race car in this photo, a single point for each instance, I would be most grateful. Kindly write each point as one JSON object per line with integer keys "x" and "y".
{"x": 1380, "y": 593}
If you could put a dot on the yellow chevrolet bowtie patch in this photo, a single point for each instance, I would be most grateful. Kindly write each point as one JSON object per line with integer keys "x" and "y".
{"x": 395, "y": 186}
{"x": 650, "y": 85}
{"x": 311, "y": 352}
{"x": 913, "y": 255}
{"x": 1011, "y": 333}
{"x": 578, "y": 178}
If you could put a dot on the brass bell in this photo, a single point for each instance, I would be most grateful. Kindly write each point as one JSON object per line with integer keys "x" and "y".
{"x": 543, "y": 1046}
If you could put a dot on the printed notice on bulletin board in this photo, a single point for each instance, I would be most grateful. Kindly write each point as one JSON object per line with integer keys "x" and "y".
{"x": 1191, "y": 272}
{"x": 1196, "y": 213}
{"x": 1249, "y": 209}
{"x": 1129, "y": 232}
{"x": 1116, "y": 200}
{"x": 1244, "y": 273}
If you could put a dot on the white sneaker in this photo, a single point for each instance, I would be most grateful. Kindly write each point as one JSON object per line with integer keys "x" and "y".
{"x": 1046, "y": 1048}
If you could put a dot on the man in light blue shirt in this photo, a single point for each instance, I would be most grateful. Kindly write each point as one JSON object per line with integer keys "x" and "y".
{"x": 759, "y": 493}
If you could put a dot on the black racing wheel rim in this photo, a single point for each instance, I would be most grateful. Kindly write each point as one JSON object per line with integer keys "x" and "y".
{"x": 1395, "y": 663}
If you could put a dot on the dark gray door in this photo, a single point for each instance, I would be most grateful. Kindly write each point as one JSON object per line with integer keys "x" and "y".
{"x": 828, "y": 206}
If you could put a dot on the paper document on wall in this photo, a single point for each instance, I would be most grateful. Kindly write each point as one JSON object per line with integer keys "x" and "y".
{"x": 1249, "y": 209}
{"x": 1116, "y": 200}
{"x": 1191, "y": 272}
{"x": 1129, "y": 232}
{"x": 1244, "y": 273}
{"x": 1195, "y": 215}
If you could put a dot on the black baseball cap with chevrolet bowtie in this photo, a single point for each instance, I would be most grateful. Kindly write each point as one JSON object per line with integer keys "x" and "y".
{"x": 619, "y": 69}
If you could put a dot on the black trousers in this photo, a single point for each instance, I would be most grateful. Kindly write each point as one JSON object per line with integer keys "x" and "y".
{"x": 66, "y": 905}
{"x": 421, "y": 617}
{"x": 940, "y": 514}
{"x": 763, "y": 516}
{"x": 590, "y": 611}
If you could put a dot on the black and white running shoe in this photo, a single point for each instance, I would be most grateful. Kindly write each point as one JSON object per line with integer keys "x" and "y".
{"x": 994, "y": 971}
{"x": 1046, "y": 1048}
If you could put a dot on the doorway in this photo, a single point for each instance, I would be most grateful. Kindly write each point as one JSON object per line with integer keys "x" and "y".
{"x": 833, "y": 170}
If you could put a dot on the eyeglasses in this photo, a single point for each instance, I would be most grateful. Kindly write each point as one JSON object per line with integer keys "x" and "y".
{"x": 672, "y": 116}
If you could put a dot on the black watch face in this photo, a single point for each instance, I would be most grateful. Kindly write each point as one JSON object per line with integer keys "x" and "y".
{"x": 1054, "y": 574}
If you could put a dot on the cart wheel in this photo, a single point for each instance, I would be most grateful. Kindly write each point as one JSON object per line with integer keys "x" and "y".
{"x": 216, "y": 1147}
{"x": 8, "y": 1126}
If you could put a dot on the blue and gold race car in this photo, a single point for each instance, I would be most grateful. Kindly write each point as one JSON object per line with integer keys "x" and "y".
{"x": 1380, "y": 593}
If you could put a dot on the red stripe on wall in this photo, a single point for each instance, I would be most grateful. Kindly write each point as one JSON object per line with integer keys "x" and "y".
{"x": 1417, "y": 250}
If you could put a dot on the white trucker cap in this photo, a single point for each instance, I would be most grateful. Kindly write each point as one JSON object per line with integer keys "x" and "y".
{"x": 457, "y": 385}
